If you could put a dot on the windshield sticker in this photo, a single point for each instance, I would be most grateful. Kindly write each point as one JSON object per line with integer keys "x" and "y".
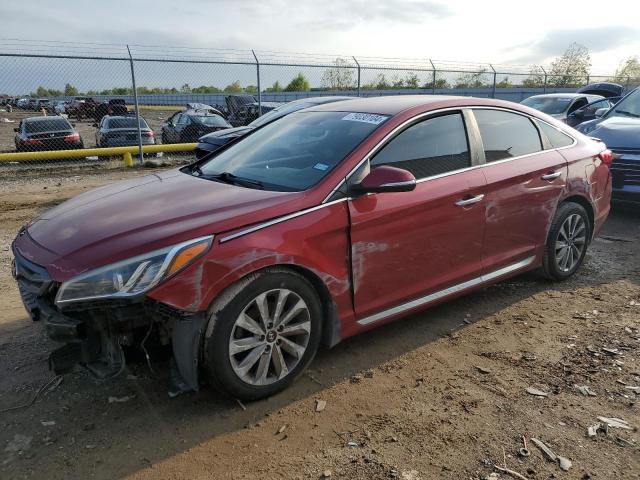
{"x": 365, "y": 117}
{"x": 321, "y": 166}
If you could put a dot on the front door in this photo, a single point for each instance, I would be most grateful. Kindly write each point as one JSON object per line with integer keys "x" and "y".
{"x": 407, "y": 245}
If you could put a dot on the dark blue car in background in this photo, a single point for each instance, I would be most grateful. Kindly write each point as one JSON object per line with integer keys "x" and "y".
{"x": 619, "y": 129}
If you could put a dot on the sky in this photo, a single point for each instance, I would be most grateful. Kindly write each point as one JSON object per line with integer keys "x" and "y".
{"x": 462, "y": 31}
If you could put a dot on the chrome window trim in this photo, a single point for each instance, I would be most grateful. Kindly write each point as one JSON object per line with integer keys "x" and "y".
{"x": 445, "y": 292}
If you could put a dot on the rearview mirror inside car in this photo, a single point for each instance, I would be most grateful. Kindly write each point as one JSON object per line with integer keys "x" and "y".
{"x": 385, "y": 179}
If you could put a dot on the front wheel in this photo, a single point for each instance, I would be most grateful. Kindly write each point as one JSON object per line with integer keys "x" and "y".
{"x": 567, "y": 242}
{"x": 265, "y": 337}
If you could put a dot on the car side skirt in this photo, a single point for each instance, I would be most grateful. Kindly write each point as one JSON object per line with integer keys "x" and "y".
{"x": 433, "y": 297}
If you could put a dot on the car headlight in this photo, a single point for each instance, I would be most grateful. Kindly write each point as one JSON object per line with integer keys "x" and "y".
{"x": 133, "y": 276}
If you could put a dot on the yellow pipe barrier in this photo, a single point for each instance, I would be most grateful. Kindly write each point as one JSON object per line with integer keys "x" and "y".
{"x": 126, "y": 153}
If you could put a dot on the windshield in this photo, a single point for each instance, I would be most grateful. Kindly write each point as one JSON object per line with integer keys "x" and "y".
{"x": 295, "y": 152}
{"x": 46, "y": 126}
{"x": 125, "y": 123}
{"x": 628, "y": 106}
{"x": 548, "y": 105}
{"x": 213, "y": 121}
{"x": 278, "y": 112}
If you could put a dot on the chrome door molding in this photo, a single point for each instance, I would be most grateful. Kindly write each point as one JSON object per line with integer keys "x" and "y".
{"x": 447, "y": 291}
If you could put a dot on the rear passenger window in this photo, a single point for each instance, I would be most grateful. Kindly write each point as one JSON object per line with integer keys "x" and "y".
{"x": 506, "y": 135}
{"x": 555, "y": 136}
{"x": 432, "y": 147}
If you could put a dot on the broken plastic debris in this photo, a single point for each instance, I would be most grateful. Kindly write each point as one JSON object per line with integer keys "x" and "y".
{"x": 616, "y": 423}
{"x": 538, "y": 393}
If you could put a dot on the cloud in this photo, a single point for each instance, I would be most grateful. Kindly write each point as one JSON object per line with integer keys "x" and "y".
{"x": 555, "y": 42}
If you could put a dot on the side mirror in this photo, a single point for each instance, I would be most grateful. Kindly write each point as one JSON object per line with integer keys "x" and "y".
{"x": 386, "y": 179}
{"x": 600, "y": 112}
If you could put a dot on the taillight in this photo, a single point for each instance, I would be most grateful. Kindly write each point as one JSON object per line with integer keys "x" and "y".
{"x": 74, "y": 137}
{"x": 31, "y": 141}
{"x": 148, "y": 134}
{"x": 606, "y": 156}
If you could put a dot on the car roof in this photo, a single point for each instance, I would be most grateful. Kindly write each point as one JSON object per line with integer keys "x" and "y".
{"x": 42, "y": 119}
{"x": 385, "y": 105}
{"x": 563, "y": 95}
{"x": 394, "y": 104}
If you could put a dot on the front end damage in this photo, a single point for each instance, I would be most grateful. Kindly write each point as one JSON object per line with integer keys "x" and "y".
{"x": 94, "y": 333}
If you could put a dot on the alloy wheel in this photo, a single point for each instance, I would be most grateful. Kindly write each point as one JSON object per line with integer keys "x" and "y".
{"x": 571, "y": 242}
{"x": 270, "y": 337}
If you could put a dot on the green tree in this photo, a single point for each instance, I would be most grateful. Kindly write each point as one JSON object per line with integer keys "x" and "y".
{"x": 251, "y": 89}
{"x": 472, "y": 80}
{"x": 411, "y": 80}
{"x": 298, "y": 84}
{"x": 185, "y": 88}
{"x": 535, "y": 78}
{"x": 42, "y": 92}
{"x": 440, "y": 83}
{"x": 233, "y": 87}
{"x": 629, "y": 68}
{"x": 572, "y": 68}
{"x": 379, "y": 83}
{"x": 276, "y": 87}
{"x": 504, "y": 83}
{"x": 70, "y": 90}
{"x": 340, "y": 76}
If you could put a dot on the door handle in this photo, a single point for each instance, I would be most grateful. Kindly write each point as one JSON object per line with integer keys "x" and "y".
{"x": 551, "y": 176}
{"x": 469, "y": 201}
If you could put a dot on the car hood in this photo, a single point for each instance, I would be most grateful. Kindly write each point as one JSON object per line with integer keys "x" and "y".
{"x": 223, "y": 136}
{"x": 615, "y": 132}
{"x": 143, "y": 214}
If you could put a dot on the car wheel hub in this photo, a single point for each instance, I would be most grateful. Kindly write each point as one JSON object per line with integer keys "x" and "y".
{"x": 269, "y": 337}
{"x": 570, "y": 242}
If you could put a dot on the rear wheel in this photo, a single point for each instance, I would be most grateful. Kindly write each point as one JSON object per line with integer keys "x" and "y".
{"x": 265, "y": 337}
{"x": 567, "y": 242}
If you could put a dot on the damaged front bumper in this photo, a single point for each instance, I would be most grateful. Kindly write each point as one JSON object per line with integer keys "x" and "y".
{"x": 94, "y": 333}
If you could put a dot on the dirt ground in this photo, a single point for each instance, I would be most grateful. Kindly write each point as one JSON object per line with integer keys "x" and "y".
{"x": 438, "y": 395}
{"x": 155, "y": 118}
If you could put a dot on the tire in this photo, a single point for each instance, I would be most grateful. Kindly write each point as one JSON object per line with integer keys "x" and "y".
{"x": 268, "y": 365}
{"x": 567, "y": 242}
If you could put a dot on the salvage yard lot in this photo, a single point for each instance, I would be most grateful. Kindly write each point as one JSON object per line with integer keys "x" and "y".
{"x": 439, "y": 394}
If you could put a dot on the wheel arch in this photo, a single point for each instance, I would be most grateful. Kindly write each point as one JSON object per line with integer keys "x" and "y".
{"x": 586, "y": 204}
{"x": 331, "y": 325}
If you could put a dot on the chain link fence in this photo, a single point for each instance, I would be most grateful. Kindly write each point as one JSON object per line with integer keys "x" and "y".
{"x": 96, "y": 98}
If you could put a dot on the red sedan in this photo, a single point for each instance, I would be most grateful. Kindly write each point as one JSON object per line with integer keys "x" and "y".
{"x": 329, "y": 222}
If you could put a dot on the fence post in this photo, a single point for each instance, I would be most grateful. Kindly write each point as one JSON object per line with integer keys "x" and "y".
{"x": 358, "y": 64}
{"x": 495, "y": 80}
{"x": 544, "y": 88}
{"x": 259, "y": 89}
{"x": 135, "y": 102}
{"x": 433, "y": 85}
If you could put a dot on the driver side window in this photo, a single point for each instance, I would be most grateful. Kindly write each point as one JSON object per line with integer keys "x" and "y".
{"x": 432, "y": 147}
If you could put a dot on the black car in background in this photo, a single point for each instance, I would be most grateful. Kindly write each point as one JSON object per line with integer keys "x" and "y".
{"x": 46, "y": 133}
{"x": 213, "y": 141}
{"x": 121, "y": 131}
{"x": 188, "y": 126}
{"x": 560, "y": 105}
{"x": 619, "y": 129}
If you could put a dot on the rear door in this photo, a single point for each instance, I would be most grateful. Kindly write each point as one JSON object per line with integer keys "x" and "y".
{"x": 407, "y": 245}
{"x": 524, "y": 184}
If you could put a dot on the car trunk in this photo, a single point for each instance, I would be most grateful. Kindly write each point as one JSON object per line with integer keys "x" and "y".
{"x": 52, "y": 140}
